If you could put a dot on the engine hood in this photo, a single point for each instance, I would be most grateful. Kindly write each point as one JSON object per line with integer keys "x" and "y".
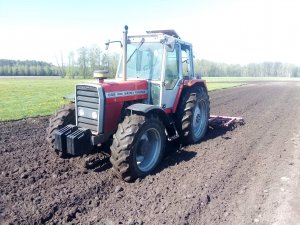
{"x": 120, "y": 91}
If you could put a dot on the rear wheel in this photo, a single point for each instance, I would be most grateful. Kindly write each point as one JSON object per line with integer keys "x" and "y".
{"x": 137, "y": 147}
{"x": 62, "y": 117}
{"x": 193, "y": 115}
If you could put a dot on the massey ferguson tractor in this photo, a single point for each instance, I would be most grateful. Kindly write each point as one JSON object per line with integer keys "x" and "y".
{"x": 154, "y": 97}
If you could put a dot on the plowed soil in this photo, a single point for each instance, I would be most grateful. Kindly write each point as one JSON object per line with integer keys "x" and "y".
{"x": 244, "y": 175}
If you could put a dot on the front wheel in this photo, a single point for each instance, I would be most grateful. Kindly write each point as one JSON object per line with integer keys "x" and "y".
{"x": 64, "y": 116}
{"x": 137, "y": 147}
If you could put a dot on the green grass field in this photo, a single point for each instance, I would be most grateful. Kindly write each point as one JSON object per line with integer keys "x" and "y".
{"x": 29, "y": 97}
{"x": 247, "y": 79}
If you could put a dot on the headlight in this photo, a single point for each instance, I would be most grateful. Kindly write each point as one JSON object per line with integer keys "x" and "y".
{"x": 81, "y": 112}
{"x": 94, "y": 115}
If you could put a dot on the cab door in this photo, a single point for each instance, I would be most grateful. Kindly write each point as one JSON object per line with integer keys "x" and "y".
{"x": 172, "y": 77}
{"x": 178, "y": 66}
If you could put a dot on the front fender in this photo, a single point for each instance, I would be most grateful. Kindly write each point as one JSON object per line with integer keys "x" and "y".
{"x": 146, "y": 109}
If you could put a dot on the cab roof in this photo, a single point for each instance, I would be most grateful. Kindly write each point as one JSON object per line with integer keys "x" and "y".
{"x": 167, "y": 32}
{"x": 158, "y": 35}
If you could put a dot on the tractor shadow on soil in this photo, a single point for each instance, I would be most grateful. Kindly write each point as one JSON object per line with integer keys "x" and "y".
{"x": 213, "y": 133}
{"x": 99, "y": 160}
{"x": 175, "y": 153}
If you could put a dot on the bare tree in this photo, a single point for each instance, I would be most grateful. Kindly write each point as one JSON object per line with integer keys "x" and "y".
{"x": 60, "y": 65}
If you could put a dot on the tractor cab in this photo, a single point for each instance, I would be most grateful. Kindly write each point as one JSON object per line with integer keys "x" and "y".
{"x": 161, "y": 58}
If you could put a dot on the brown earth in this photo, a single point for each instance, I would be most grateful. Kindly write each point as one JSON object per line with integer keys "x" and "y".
{"x": 246, "y": 175}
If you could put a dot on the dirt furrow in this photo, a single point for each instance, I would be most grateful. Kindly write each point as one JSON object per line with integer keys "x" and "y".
{"x": 228, "y": 178}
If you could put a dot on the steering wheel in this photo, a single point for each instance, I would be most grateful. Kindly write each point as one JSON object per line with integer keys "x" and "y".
{"x": 146, "y": 67}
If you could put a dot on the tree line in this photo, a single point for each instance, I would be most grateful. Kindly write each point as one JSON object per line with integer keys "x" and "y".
{"x": 26, "y": 68}
{"x": 85, "y": 60}
{"x": 265, "y": 69}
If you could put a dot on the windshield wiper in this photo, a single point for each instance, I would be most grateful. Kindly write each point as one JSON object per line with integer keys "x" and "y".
{"x": 137, "y": 48}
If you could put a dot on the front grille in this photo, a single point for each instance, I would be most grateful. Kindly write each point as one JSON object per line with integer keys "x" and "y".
{"x": 87, "y": 106}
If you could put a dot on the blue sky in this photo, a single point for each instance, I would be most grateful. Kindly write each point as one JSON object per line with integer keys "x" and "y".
{"x": 232, "y": 31}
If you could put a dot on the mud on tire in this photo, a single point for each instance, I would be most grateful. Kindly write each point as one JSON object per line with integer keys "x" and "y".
{"x": 64, "y": 116}
{"x": 193, "y": 114}
{"x": 138, "y": 146}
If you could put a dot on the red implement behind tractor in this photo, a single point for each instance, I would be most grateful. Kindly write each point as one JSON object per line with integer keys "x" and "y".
{"x": 154, "y": 97}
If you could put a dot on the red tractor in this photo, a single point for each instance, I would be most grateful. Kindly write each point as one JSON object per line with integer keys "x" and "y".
{"x": 155, "y": 97}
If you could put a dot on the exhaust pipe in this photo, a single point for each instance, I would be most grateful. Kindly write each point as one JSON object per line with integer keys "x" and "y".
{"x": 125, "y": 52}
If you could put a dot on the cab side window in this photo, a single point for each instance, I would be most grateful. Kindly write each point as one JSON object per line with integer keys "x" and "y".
{"x": 186, "y": 61}
{"x": 172, "y": 68}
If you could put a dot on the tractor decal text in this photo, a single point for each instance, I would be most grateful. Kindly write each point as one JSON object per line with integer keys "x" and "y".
{"x": 116, "y": 94}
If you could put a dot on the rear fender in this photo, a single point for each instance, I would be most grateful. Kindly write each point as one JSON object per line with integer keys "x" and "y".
{"x": 192, "y": 83}
{"x": 184, "y": 86}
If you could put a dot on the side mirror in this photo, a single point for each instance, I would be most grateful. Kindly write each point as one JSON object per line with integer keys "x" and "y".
{"x": 108, "y": 42}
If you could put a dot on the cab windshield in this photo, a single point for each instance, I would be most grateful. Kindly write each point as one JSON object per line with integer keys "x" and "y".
{"x": 144, "y": 61}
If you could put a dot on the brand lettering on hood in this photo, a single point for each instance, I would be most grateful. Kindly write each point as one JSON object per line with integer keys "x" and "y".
{"x": 116, "y": 94}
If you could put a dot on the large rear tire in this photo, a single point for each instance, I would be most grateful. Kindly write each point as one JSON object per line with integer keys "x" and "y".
{"x": 138, "y": 146}
{"x": 193, "y": 115}
{"x": 64, "y": 116}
